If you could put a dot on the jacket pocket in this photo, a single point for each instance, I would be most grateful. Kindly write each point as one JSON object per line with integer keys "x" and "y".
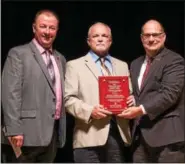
{"x": 172, "y": 114}
{"x": 28, "y": 114}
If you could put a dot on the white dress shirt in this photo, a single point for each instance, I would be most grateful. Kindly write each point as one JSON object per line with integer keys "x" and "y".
{"x": 143, "y": 67}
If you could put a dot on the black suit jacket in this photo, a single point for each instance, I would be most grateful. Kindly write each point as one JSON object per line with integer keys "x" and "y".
{"x": 162, "y": 96}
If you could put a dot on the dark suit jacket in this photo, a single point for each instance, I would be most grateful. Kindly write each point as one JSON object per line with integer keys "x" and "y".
{"x": 28, "y": 98}
{"x": 162, "y": 97}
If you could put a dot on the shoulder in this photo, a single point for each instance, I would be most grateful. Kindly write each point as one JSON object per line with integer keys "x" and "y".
{"x": 19, "y": 51}
{"x": 137, "y": 59}
{"x": 76, "y": 62}
{"x": 20, "y": 48}
{"x": 171, "y": 58}
{"x": 170, "y": 54}
{"x": 118, "y": 61}
{"x": 75, "y": 66}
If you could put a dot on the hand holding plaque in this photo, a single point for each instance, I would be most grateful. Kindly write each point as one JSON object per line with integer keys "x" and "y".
{"x": 113, "y": 92}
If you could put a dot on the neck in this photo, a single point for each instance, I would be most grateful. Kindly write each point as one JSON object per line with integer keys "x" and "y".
{"x": 101, "y": 54}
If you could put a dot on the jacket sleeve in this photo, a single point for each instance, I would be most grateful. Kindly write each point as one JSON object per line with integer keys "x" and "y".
{"x": 12, "y": 78}
{"x": 171, "y": 87}
{"x": 74, "y": 105}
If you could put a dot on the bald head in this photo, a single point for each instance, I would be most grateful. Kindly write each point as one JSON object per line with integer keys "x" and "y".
{"x": 154, "y": 22}
{"x": 96, "y": 25}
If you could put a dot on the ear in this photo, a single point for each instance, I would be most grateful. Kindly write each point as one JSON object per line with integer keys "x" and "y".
{"x": 88, "y": 42}
{"x": 141, "y": 37}
{"x": 164, "y": 37}
{"x": 111, "y": 41}
{"x": 33, "y": 27}
{"x": 142, "y": 40}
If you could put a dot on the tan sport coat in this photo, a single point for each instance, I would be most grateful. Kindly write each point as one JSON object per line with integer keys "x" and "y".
{"x": 82, "y": 94}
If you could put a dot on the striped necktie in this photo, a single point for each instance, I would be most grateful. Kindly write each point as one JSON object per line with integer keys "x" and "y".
{"x": 104, "y": 68}
{"x": 106, "y": 72}
{"x": 149, "y": 61}
{"x": 50, "y": 67}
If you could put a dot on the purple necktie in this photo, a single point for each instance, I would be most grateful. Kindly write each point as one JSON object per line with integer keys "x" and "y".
{"x": 50, "y": 67}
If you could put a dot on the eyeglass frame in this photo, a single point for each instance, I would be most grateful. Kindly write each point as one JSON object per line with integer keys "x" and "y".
{"x": 154, "y": 35}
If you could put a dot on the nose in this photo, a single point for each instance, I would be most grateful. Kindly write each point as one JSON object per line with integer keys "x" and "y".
{"x": 100, "y": 39}
{"x": 151, "y": 38}
{"x": 47, "y": 30}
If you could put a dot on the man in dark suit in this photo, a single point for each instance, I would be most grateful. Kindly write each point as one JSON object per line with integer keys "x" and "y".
{"x": 158, "y": 87}
{"x": 32, "y": 94}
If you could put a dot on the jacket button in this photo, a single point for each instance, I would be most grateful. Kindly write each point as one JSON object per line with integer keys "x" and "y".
{"x": 54, "y": 99}
{"x": 53, "y": 115}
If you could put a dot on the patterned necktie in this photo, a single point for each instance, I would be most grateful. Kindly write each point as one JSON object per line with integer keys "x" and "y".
{"x": 106, "y": 72}
{"x": 149, "y": 61}
{"x": 104, "y": 68}
{"x": 50, "y": 67}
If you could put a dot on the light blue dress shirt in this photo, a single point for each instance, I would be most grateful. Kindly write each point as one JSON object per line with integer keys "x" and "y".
{"x": 98, "y": 63}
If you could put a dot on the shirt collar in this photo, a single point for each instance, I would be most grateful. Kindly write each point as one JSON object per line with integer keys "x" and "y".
{"x": 95, "y": 57}
{"x": 149, "y": 58}
{"x": 40, "y": 48}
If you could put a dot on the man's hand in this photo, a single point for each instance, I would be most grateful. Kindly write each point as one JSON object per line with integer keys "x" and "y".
{"x": 17, "y": 140}
{"x": 100, "y": 112}
{"x": 131, "y": 112}
{"x": 131, "y": 101}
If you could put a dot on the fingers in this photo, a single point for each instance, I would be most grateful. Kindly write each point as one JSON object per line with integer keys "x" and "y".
{"x": 106, "y": 111}
{"x": 131, "y": 112}
{"x": 99, "y": 112}
{"x": 100, "y": 106}
{"x": 13, "y": 140}
{"x": 103, "y": 110}
{"x": 131, "y": 101}
{"x": 121, "y": 114}
{"x": 127, "y": 113}
{"x": 100, "y": 115}
{"x": 17, "y": 140}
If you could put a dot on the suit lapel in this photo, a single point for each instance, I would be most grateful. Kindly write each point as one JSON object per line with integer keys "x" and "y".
{"x": 136, "y": 73}
{"x": 115, "y": 67}
{"x": 42, "y": 65}
{"x": 154, "y": 65}
{"x": 92, "y": 66}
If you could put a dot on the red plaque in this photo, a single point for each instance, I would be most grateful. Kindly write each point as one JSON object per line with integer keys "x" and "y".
{"x": 114, "y": 91}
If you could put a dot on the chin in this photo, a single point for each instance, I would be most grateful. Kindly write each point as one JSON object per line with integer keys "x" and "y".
{"x": 46, "y": 45}
{"x": 102, "y": 53}
{"x": 153, "y": 48}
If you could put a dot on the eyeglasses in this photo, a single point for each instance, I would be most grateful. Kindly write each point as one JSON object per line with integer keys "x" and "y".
{"x": 154, "y": 35}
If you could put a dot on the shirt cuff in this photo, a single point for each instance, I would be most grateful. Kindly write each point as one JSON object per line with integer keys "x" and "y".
{"x": 143, "y": 109}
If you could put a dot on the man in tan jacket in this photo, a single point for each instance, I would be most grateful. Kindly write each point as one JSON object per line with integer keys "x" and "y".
{"x": 96, "y": 138}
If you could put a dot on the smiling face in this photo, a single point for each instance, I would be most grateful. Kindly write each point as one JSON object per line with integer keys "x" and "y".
{"x": 153, "y": 37}
{"x": 45, "y": 29}
{"x": 99, "y": 39}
